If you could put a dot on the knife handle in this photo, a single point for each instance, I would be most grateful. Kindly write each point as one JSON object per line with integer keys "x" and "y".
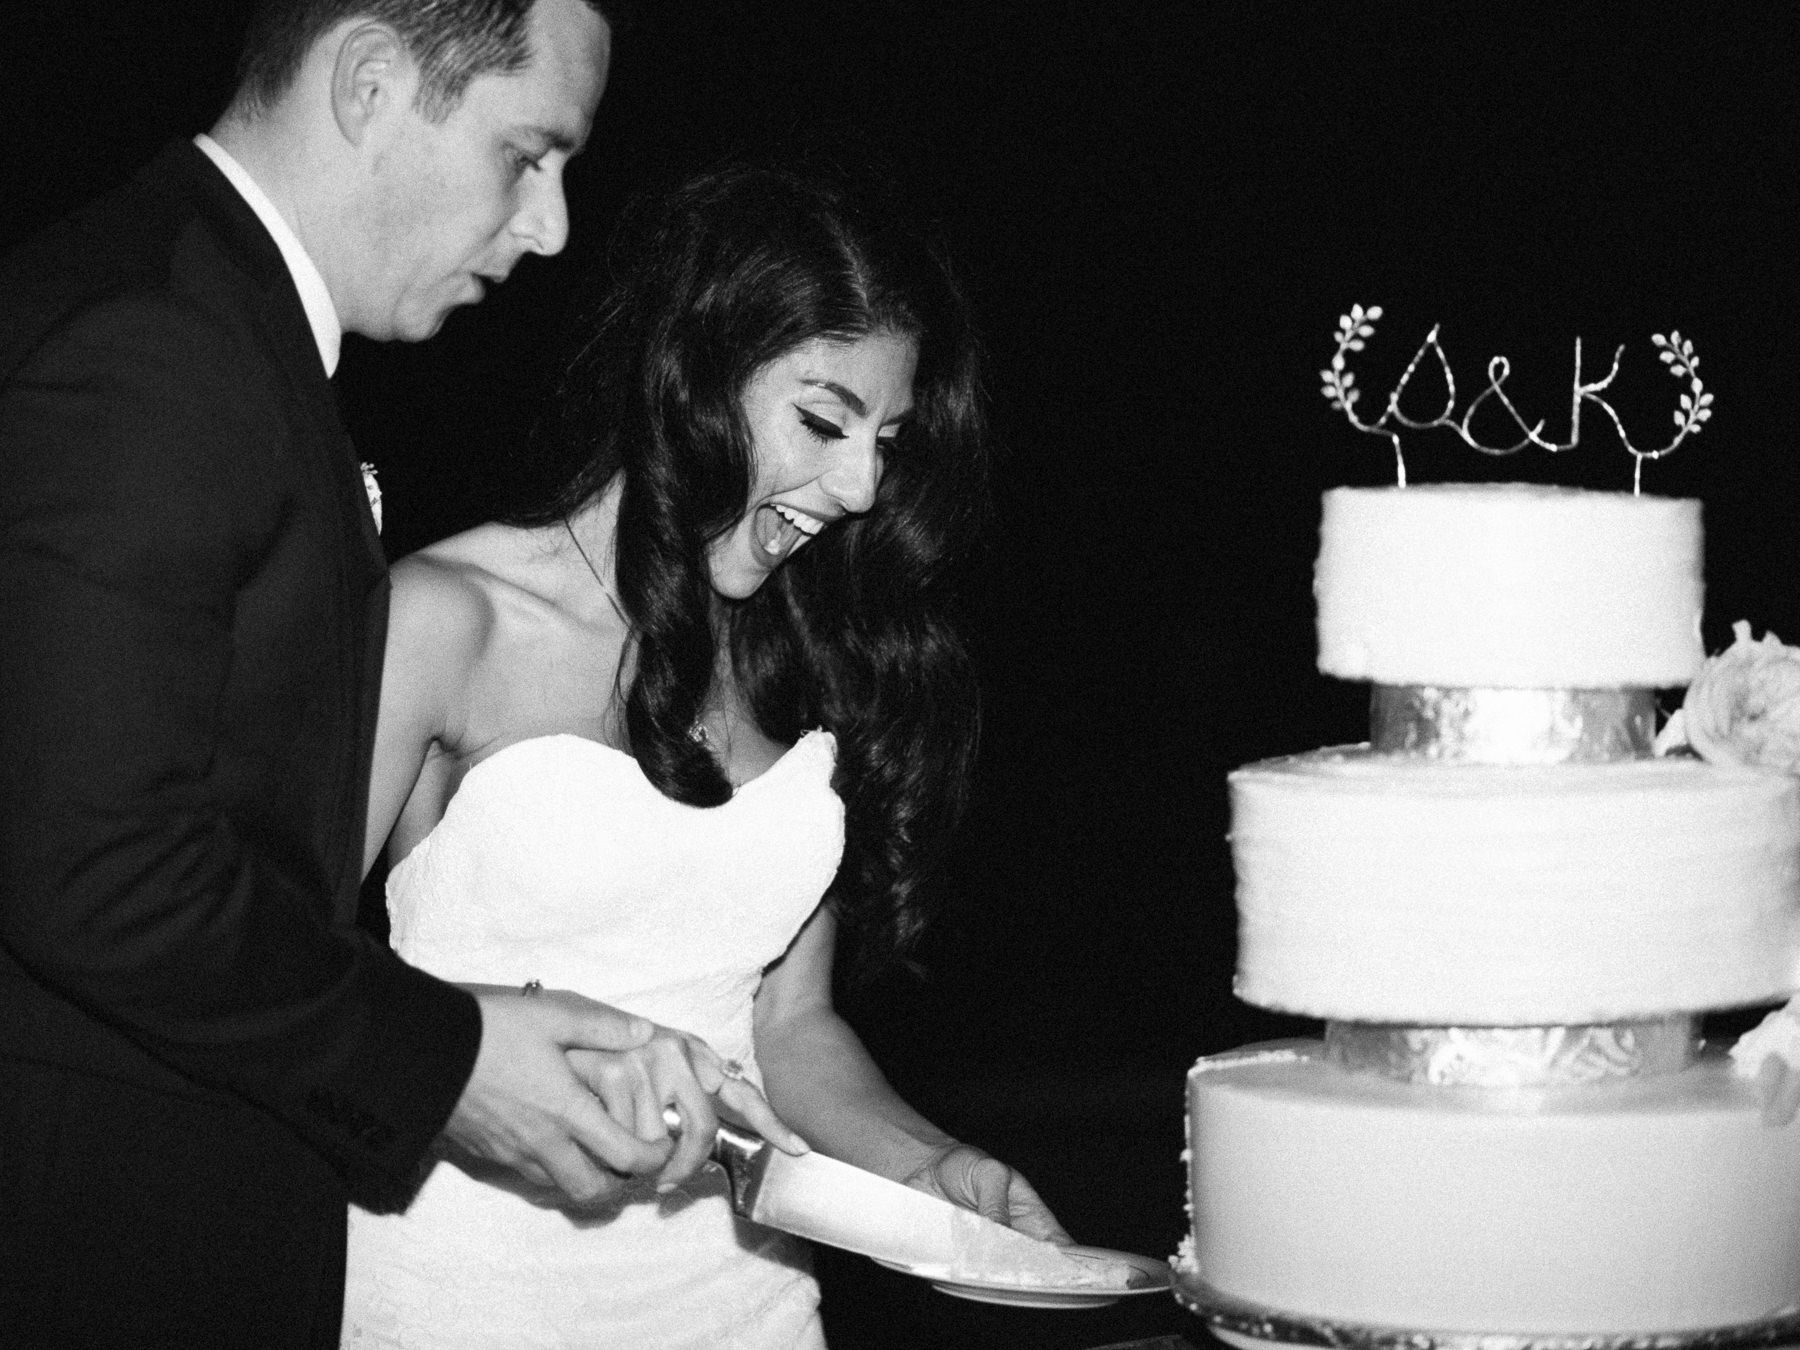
{"x": 737, "y": 1149}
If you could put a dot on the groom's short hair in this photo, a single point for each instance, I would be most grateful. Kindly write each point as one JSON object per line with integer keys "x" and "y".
{"x": 452, "y": 40}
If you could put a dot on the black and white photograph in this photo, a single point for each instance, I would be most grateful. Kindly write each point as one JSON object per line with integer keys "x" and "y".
{"x": 899, "y": 675}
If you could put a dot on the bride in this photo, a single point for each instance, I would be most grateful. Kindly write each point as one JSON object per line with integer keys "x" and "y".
{"x": 677, "y": 742}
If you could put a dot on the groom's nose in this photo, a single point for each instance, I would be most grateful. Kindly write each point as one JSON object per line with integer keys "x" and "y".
{"x": 542, "y": 220}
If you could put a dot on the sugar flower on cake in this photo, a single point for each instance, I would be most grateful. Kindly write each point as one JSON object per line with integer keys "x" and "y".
{"x": 1744, "y": 706}
{"x": 372, "y": 486}
{"x": 1770, "y": 1053}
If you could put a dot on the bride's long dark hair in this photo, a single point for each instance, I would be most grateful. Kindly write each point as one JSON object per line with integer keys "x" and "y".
{"x": 708, "y": 284}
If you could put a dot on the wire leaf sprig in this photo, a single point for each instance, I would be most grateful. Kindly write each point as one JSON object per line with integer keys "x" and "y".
{"x": 1358, "y": 326}
{"x": 1354, "y": 330}
{"x": 1677, "y": 353}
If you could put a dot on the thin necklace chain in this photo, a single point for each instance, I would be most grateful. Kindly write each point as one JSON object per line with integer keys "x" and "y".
{"x": 698, "y": 731}
{"x": 605, "y": 590}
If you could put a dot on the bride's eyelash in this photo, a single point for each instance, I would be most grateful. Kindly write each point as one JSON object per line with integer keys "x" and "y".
{"x": 819, "y": 428}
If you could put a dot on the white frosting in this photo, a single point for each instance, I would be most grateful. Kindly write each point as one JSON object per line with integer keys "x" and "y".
{"x": 1381, "y": 889}
{"x": 1509, "y": 585}
{"x": 1354, "y": 1198}
{"x": 1442, "y": 893}
{"x": 987, "y": 1252}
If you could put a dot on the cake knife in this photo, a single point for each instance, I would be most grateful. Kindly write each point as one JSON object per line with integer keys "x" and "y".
{"x": 824, "y": 1200}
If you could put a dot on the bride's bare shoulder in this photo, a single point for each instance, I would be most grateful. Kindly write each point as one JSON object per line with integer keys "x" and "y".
{"x": 455, "y": 592}
{"x": 497, "y": 552}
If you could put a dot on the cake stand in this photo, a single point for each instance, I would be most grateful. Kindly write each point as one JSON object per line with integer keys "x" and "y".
{"x": 1249, "y": 1326}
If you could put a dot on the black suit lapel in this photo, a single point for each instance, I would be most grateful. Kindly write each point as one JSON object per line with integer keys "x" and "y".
{"x": 248, "y": 245}
{"x": 333, "y": 469}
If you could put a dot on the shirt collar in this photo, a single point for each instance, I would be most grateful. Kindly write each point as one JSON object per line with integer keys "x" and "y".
{"x": 327, "y": 331}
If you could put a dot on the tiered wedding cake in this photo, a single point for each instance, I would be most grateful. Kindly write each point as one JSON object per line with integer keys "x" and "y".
{"x": 1510, "y": 914}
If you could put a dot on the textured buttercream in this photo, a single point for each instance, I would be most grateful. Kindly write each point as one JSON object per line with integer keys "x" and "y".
{"x": 1385, "y": 889}
{"x": 1509, "y": 585}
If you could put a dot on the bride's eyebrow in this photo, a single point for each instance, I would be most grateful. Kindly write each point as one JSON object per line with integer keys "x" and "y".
{"x": 851, "y": 401}
{"x": 844, "y": 396}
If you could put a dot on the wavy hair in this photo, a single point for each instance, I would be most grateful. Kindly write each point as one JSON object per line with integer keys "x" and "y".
{"x": 710, "y": 282}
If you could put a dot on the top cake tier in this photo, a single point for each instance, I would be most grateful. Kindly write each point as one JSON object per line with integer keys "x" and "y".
{"x": 1509, "y": 586}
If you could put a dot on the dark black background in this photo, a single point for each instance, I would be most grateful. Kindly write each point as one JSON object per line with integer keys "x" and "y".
{"x": 1161, "y": 208}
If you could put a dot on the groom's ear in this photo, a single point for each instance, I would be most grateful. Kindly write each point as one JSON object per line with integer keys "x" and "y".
{"x": 373, "y": 79}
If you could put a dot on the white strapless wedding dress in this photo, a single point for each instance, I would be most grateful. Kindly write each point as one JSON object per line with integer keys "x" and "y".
{"x": 558, "y": 861}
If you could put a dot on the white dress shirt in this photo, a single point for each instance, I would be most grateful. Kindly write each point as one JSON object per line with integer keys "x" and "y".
{"x": 327, "y": 331}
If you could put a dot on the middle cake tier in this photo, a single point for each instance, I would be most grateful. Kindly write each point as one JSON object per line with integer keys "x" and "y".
{"x": 1384, "y": 888}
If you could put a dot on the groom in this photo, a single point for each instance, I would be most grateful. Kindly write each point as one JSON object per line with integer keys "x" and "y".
{"x": 201, "y": 1059}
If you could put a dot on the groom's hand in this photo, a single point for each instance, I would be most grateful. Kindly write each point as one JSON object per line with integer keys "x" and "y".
{"x": 671, "y": 1072}
{"x": 525, "y": 1110}
{"x": 668, "y": 1088}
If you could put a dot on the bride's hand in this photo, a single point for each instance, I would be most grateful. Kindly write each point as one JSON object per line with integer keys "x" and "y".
{"x": 524, "y": 1113}
{"x": 746, "y": 1105}
{"x": 676, "y": 1071}
{"x": 977, "y": 1180}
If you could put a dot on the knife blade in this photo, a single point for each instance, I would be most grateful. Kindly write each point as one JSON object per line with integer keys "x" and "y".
{"x": 824, "y": 1200}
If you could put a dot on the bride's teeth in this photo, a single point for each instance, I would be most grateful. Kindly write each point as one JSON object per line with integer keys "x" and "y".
{"x": 805, "y": 524}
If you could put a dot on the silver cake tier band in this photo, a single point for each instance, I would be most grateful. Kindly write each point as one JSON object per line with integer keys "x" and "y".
{"x": 1242, "y": 1323}
{"x": 1512, "y": 726}
{"x": 1519, "y": 727}
{"x": 1513, "y": 1057}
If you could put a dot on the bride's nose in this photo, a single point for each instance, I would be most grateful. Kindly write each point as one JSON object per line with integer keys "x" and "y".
{"x": 853, "y": 480}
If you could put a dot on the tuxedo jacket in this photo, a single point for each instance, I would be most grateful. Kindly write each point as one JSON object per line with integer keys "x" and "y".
{"x": 192, "y": 614}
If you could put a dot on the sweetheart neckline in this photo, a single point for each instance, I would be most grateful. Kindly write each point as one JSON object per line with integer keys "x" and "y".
{"x": 736, "y": 792}
{"x": 614, "y": 750}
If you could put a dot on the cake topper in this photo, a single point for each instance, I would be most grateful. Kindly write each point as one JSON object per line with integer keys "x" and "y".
{"x": 1356, "y": 327}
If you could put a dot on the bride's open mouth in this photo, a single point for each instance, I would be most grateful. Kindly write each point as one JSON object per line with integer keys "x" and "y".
{"x": 780, "y": 529}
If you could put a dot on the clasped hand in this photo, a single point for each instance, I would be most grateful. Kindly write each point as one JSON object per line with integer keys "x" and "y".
{"x": 569, "y": 1096}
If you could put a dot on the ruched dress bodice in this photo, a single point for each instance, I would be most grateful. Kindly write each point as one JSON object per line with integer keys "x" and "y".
{"x": 558, "y": 861}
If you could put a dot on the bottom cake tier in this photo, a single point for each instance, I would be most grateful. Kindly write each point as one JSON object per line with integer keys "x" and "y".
{"x": 1655, "y": 1204}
